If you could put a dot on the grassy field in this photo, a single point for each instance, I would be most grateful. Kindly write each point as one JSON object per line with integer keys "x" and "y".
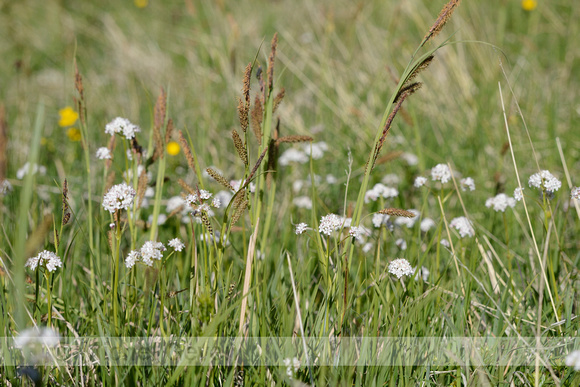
{"x": 288, "y": 112}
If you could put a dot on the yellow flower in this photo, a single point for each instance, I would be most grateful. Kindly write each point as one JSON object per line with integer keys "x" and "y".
{"x": 67, "y": 116}
{"x": 73, "y": 134}
{"x": 141, "y": 3}
{"x": 173, "y": 148}
{"x": 529, "y": 5}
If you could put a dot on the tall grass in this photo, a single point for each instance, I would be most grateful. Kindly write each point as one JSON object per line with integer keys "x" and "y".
{"x": 328, "y": 117}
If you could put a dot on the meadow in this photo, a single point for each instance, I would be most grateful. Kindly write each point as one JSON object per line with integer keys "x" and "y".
{"x": 294, "y": 193}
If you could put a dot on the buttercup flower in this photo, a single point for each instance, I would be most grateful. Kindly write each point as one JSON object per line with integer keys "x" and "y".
{"x": 500, "y": 202}
{"x": 67, "y": 116}
{"x": 45, "y": 258}
{"x": 529, "y": 5}
{"x": 73, "y": 134}
{"x": 173, "y": 148}
{"x": 400, "y": 267}
{"x": 119, "y": 197}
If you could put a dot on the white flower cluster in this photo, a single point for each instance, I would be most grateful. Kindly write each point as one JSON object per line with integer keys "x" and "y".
{"x": 122, "y": 126}
{"x": 500, "y": 202}
{"x": 37, "y": 336}
{"x": 318, "y": 149}
{"x": 292, "y": 156}
{"x": 302, "y": 202}
{"x": 441, "y": 173}
{"x": 103, "y": 153}
{"x": 28, "y": 168}
{"x": 45, "y": 258}
{"x": 519, "y": 193}
{"x": 380, "y": 220}
{"x": 330, "y": 223}
{"x": 427, "y": 224}
{"x": 197, "y": 202}
{"x": 545, "y": 180}
{"x": 573, "y": 360}
{"x": 574, "y": 194}
{"x": 292, "y": 366}
{"x": 119, "y": 197}
{"x": 463, "y": 226}
{"x": 300, "y": 228}
{"x": 150, "y": 251}
{"x": 5, "y": 187}
{"x": 176, "y": 244}
{"x": 408, "y": 222}
{"x": 400, "y": 267}
{"x": 236, "y": 184}
{"x": 380, "y": 190}
{"x": 420, "y": 181}
{"x": 467, "y": 184}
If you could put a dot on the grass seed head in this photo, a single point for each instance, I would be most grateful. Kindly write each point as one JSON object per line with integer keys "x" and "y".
{"x": 443, "y": 17}
{"x": 257, "y": 114}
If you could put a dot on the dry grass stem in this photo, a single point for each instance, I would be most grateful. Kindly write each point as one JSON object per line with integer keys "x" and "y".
{"x": 3, "y": 143}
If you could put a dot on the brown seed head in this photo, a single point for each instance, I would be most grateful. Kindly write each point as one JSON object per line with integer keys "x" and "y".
{"x": 219, "y": 178}
{"x": 271, "y": 61}
{"x": 293, "y": 139}
{"x": 278, "y": 99}
{"x": 240, "y": 148}
{"x": 443, "y": 17}
{"x": 397, "y": 212}
{"x": 257, "y": 116}
{"x": 187, "y": 152}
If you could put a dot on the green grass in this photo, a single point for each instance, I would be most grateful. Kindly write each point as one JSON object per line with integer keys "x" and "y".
{"x": 339, "y": 63}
